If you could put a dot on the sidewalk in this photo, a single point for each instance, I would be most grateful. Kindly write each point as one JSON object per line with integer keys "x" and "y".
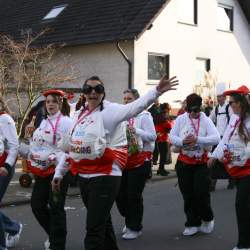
{"x": 17, "y": 195}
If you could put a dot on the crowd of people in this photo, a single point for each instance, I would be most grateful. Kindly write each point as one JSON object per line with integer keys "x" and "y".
{"x": 112, "y": 157}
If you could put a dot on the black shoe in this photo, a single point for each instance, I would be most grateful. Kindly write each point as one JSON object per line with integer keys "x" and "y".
{"x": 162, "y": 172}
{"x": 154, "y": 162}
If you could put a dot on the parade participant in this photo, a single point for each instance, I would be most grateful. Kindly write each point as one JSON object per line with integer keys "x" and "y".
{"x": 193, "y": 135}
{"x": 234, "y": 152}
{"x": 155, "y": 110}
{"x": 9, "y": 230}
{"x": 97, "y": 154}
{"x": 163, "y": 127}
{"x": 141, "y": 137}
{"x": 220, "y": 116}
{"x": 44, "y": 153}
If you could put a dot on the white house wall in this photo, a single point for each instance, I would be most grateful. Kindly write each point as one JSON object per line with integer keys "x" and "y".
{"x": 105, "y": 61}
{"x": 229, "y": 52}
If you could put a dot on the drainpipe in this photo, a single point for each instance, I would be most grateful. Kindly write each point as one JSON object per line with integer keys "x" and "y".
{"x": 129, "y": 64}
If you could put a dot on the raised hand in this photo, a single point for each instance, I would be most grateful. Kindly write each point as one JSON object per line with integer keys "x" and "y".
{"x": 167, "y": 84}
{"x": 56, "y": 184}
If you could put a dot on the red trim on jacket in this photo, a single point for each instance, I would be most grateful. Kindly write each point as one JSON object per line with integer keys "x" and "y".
{"x": 3, "y": 158}
{"x": 39, "y": 172}
{"x": 193, "y": 160}
{"x": 239, "y": 172}
{"x": 138, "y": 159}
{"x": 101, "y": 165}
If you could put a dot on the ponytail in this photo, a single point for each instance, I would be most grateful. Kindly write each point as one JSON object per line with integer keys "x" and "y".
{"x": 101, "y": 104}
{"x": 65, "y": 109}
{"x": 244, "y": 114}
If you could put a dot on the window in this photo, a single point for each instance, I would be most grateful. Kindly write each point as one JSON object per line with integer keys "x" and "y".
{"x": 55, "y": 12}
{"x": 202, "y": 66}
{"x": 188, "y": 11}
{"x": 158, "y": 66}
{"x": 225, "y": 18}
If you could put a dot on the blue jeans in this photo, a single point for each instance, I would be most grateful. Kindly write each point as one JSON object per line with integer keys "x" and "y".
{"x": 6, "y": 224}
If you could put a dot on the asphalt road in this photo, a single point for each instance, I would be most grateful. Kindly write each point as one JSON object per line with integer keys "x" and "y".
{"x": 163, "y": 222}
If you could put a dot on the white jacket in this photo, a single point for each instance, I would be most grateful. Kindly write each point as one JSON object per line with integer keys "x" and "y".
{"x": 240, "y": 150}
{"x": 207, "y": 135}
{"x": 112, "y": 117}
{"x": 42, "y": 149}
{"x": 9, "y": 138}
{"x": 145, "y": 129}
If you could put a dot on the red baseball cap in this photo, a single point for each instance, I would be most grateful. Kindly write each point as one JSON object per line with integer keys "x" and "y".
{"x": 54, "y": 91}
{"x": 242, "y": 90}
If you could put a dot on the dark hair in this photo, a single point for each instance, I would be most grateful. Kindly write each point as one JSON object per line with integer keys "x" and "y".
{"x": 94, "y": 78}
{"x": 193, "y": 100}
{"x": 244, "y": 101}
{"x": 165, "y": 106}
{"x": 134, "y": 92}
{"x": 63, "y": 103}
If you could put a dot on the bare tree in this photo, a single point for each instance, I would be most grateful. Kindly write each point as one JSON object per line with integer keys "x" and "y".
{"x": 26, "y": 70}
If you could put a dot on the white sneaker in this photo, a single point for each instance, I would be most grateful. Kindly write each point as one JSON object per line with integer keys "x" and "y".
{"x": 47, "y": 245}
{"x": 189, "y": 231}
{"x": 12, "y": 240}
{"x": 131, "y": 235}
{"x": 207, "y": 227}
{"x": 124, "y": 230}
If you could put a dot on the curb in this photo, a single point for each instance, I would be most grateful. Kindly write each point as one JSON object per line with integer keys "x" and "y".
{"x": 27, "y": 201}
{"x": 72, "y": 195}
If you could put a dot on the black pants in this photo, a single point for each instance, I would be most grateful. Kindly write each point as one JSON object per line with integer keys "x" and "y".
{"x": 98, "y": 195}
{"x": 194, "y": 185}
{"x": 242, "y": 205}
{"x": 163, "y": 148}
{"x": 155, "y": 153}
{"x": 49, "y": 212}
{"x": 130, "y": 201}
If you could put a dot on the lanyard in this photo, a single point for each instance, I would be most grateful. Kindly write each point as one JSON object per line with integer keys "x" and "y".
{"x": 54, "y": 128}
{"x": 235, "y": 126}
{"x": 196, "y": 130}
{"x": 81, "y": 117}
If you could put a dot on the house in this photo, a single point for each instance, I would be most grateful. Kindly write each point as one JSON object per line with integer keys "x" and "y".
{"x": 132, "y": 43}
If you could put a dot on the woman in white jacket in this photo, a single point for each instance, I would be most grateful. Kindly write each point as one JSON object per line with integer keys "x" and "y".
{"x": 141, "y": 137}
{"x": 234, "y": 151}
{"x": 9, "y": 230}
{"x": 43, "y": 154}
{"x": 98, "y": 153}
{"x": 193, "y": 136}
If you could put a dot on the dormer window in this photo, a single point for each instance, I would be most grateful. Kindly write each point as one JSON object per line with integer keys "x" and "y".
{"x": 55, "y": 12}
{"x": 225, "y": 18}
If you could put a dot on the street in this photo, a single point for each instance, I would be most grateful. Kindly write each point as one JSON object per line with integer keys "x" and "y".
{"x": 163, "y": 222}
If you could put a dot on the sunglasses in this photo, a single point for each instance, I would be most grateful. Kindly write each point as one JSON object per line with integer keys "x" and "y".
{"x": 87, "y": 89}
{"x": 194, "y": 109}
